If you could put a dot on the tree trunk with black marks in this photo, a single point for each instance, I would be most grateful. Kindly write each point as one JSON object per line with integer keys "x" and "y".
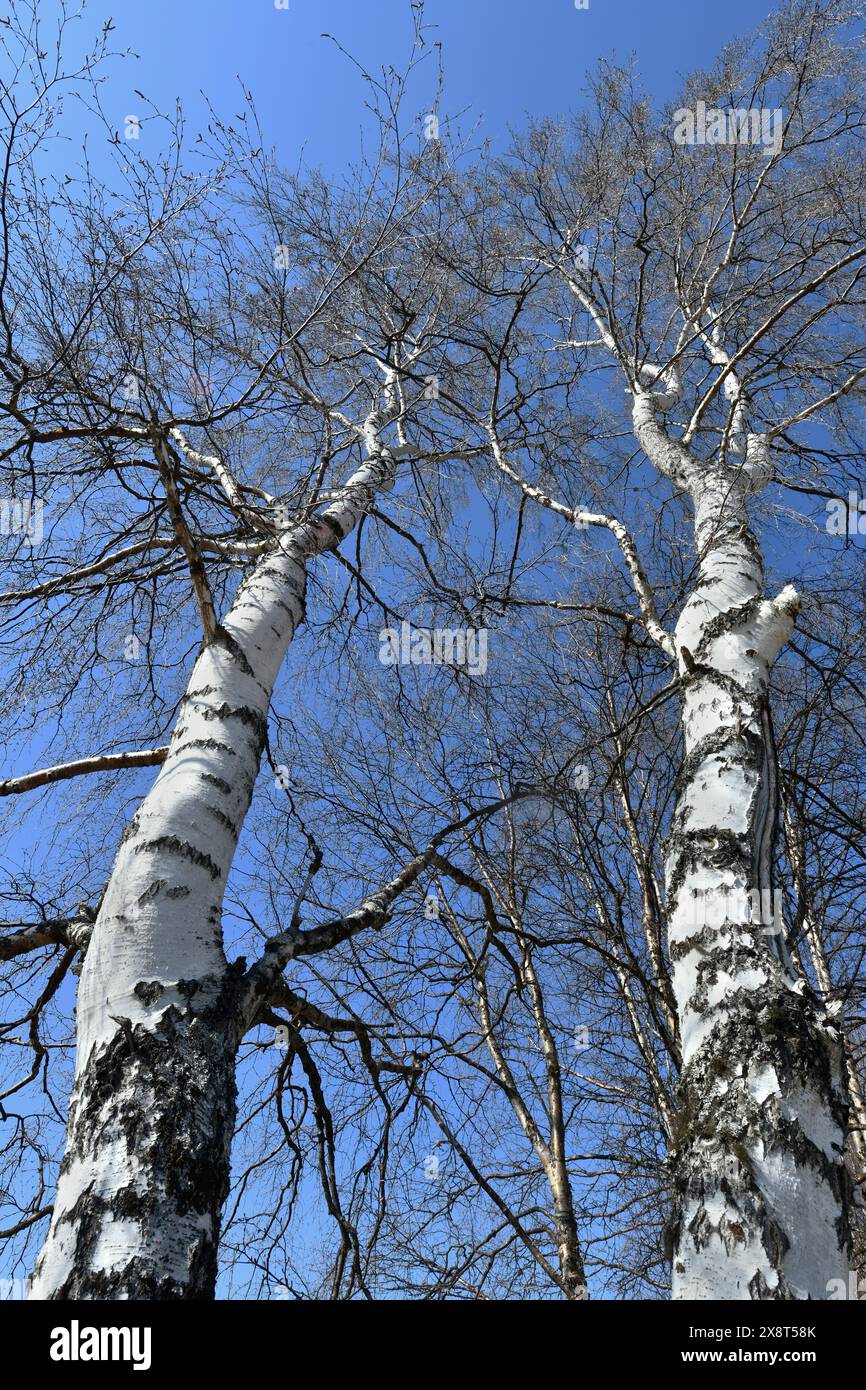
{"x": 761, "y": 1191}
{"x": 146, "y": 1168}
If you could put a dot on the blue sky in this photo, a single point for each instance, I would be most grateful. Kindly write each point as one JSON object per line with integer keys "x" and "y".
{"x": 504, "y": 59}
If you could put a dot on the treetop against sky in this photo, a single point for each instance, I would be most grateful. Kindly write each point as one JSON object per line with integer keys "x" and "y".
{"x": 433, "y": 648}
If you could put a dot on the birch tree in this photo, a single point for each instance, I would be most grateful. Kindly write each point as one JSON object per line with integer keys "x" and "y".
{"x": 153, "y": 347}
{"x": 721, "y": 276}
{"x": 579, "y": 400}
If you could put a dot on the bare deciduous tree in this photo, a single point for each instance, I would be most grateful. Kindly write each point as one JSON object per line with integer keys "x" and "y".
{"x": 579, "y": 1005}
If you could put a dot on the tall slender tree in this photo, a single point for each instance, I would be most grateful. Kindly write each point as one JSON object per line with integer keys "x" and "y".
{"x": 566, "y": 405}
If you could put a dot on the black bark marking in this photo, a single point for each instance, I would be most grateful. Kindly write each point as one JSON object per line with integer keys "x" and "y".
{"x": 148, "y": 991}
{"x": 170, "y": 1093}
{"x": 170, "y": 844}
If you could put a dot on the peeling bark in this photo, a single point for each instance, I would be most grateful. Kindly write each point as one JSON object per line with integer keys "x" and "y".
{"x": 146, "y": 1168}
{"x": 761, "y": 1191}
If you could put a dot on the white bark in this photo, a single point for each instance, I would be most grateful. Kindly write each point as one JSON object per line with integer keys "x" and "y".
{"x": 151, "y": 1113}
{"x": 762, "y": 1196}
{"x": 762, "y": 1193}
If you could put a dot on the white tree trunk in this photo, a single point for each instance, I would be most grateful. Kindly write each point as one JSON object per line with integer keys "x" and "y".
{"x": 146, "y": 1168}
{"x": 762, "y": 1194}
